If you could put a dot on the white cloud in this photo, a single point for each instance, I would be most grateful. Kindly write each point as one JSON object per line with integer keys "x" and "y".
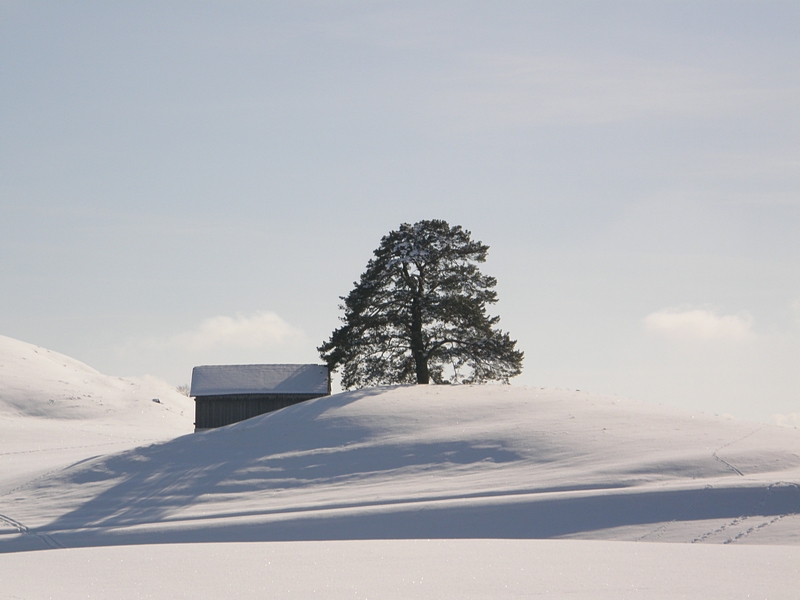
{"x": 263, "y": 329}
{"x": 263, "y": 337}
{"x": 699, "y": 324}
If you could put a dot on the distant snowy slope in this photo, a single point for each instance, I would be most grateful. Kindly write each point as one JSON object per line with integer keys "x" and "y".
{"x": 40, "y": 383}
{"x": 55, "y": 410}
{"x": 435, "y": 461}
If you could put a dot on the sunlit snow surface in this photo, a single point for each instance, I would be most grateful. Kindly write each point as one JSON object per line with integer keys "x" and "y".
{"x": 335, "y": 497}
{"x": 55, "y": 411}
{"x": 406, "y": 569}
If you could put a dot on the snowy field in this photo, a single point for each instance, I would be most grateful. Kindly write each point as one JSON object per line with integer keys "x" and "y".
{"x": 401, "y": 492}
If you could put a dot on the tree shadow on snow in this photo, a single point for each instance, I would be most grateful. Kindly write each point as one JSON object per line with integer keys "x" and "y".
{"x": 277, "y": 452}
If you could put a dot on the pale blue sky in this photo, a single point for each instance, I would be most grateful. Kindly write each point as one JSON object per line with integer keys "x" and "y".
{"x": 193, "y": 183}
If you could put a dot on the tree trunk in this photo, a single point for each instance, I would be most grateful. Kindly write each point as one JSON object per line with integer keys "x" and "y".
{"x": 423, "y": 376}
{"x": 417, "y": 345}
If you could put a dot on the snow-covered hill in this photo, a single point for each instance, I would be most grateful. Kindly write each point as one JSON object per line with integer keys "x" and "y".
{"x": 493, "y": 477}
{"x": 55, "y": 410}
{"x": 37, "y": 382}
{"x": 435, "y": 461}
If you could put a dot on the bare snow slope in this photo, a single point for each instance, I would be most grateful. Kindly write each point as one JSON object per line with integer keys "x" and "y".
{"x": 431, "y": 462}
{"x": 55, "y": 410}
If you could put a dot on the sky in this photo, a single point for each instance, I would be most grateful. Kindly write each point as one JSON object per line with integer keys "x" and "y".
{"x": 187, "y": 183}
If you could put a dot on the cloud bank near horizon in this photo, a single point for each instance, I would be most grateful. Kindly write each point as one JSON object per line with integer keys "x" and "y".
{"x": 262, "y": 337}
{"x": 262, "y": 330}
{"x": 697, "y": 324}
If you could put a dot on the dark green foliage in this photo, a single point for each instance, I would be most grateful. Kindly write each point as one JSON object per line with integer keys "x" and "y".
{"x": 418, "y": 314}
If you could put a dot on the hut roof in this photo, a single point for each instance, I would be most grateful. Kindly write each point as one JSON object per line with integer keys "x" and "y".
{"x": 218, "y": 380}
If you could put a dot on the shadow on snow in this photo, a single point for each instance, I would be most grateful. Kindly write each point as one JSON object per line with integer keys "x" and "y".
{"x": 279, "y": 452}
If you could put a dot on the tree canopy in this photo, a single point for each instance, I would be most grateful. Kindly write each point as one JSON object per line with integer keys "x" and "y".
{"x": 418, "y": 314}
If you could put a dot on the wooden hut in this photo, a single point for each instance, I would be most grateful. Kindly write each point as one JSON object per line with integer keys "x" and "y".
{"x": 226, "y": 394}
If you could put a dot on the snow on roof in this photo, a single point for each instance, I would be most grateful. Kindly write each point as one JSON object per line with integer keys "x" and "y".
{"x": 213, "y": 380}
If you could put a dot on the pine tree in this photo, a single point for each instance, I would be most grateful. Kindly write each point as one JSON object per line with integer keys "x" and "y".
{"x": 418, "y": 314}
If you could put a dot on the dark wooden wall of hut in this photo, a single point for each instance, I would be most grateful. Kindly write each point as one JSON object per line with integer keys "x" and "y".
{"x": 217, "y": 411}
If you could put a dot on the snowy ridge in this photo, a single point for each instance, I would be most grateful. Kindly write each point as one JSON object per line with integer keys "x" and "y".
{"x": 38, "y": 382}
